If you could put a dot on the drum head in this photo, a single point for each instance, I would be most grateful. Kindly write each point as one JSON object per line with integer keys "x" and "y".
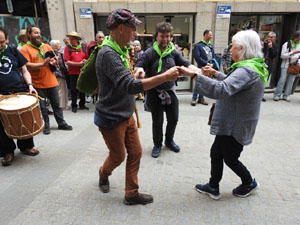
{"x": 15, "y": 102}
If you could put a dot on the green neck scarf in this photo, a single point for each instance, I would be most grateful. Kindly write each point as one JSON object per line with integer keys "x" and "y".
{"x": 115, "y": 46}
{"x": 258, "y": 64}
{"x": 207, "y": 43}
{"x": 294, "y": 44}
{"x": 98, "y": 45}
{"x": 21, "y": 44}
{"x": 168, "y": 51}
{"x": 39, "y": 48}
{"x": 3, "y": 49}
{"x": 76, "y": 48}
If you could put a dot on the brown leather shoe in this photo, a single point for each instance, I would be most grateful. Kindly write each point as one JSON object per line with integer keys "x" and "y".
{"x": 140, "y": 198}
{"x": 30, "y": 151}
{"x": 202, "y": 101}
{"x": 7, "y": 159}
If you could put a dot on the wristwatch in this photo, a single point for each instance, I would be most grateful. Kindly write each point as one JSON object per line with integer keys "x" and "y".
{"x": 30, "y": 84}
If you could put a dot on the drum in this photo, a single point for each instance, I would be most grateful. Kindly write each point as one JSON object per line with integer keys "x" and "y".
{"x": 21, "y": 115}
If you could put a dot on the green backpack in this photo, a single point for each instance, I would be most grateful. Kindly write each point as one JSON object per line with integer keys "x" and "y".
{"x": 87, "y": 81}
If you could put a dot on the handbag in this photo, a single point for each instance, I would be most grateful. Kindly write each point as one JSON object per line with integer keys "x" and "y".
{"x": 211, "y": 112}
{"x": 294, "y": 68}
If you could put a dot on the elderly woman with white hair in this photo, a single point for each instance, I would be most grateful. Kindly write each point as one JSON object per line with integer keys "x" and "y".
{"x": 61, "y": 74}
{"x": 236, "y": 112}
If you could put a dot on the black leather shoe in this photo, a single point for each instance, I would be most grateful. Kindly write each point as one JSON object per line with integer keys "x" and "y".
{"x": 104, "y": 184}
{"x": 65, "y": 127}
{"x": 84, "y": 107}
{"x": 46, "y": 130}
{"x": 74, "y": 109}
{"x": 172, "y": 146}
{"x": 140, "y": 198}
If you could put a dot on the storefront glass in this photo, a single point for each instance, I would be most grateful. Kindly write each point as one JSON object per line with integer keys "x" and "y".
{"x": 183, "y": 35}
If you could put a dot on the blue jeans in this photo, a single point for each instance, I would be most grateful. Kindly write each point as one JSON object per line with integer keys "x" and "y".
{"x": 195, "y": 94}
{"x": 286, "y": 81}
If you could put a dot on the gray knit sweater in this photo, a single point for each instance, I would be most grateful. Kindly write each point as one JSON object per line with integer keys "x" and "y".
{"x": 238, "y": 102}
{"x": 116, "y": 84}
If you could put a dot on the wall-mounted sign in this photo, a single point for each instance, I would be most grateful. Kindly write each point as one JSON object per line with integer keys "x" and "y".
{"x": 224, "y": 11}
{"x": 85, "y": 13}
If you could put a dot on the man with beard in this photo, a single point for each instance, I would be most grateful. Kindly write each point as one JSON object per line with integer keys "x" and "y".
{"x": 43, "y": 76}
{"x": 156, "y": 60}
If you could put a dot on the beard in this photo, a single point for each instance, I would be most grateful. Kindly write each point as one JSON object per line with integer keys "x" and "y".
{"x": 162, "y": 45}
{"x": 36, "y": 41}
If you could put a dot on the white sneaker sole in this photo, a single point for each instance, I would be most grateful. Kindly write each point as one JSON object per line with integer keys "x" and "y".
{"x": 218, "y": 197}
{"x": 251, "y": 192}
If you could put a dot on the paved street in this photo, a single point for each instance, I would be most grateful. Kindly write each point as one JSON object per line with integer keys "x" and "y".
{"x": 60, "y": 185}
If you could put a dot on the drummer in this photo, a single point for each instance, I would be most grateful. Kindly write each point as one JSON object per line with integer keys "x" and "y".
{"x": 11, "y": 81}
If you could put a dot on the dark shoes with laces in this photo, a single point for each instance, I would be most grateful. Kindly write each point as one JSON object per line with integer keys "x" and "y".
{"x": 169, "y": 144}
{"x": 172, "y": 146}
{"x": 104, "y": 184}
{"x": 65, "y": 127}
{"x": 244, "y": 190}
{"x": 140, "y": 198}
{"x": 156, "y": 151}
{"x": 214, "y": 193}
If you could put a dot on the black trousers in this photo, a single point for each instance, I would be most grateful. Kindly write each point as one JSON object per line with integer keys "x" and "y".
{"x": 157, "y": 111}
{"x": 52, "y": 95}
{"x": 7, "y": 145}
{"x": 74, "y": 92}
{"x": 227, "y": 149}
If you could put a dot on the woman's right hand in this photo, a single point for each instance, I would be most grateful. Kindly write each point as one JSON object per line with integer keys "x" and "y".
{"x": 208, "y": 71}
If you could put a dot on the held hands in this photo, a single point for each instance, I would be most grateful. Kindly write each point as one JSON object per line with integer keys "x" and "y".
{"x": 270, "y": 44}
{"x": 139, "y": 73}
{"x": 172, "y": 74}
{"x": 209, "y": 71}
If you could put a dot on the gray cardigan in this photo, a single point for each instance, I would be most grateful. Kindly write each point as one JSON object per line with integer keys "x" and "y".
{"x": 116, "y": 85}
{"x": 238, "y": 102}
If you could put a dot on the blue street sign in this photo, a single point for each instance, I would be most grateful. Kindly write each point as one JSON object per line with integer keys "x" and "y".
{"x": 85, "y": 13}
{"x": 224, "y": 11}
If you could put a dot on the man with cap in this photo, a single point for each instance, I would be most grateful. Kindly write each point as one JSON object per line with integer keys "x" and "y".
{"x": 114, "y": 109}
{"x": 75, "y": 57}
{"x": 41, "y": 68}
{"x": 22, "y": 38}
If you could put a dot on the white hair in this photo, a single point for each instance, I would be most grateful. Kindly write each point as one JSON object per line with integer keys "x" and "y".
{"x": 54, "y": 42}
{"x": 250, "y": 42}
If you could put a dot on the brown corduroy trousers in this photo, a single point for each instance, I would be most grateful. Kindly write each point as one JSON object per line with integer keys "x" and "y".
{"x": 123, "y": 138}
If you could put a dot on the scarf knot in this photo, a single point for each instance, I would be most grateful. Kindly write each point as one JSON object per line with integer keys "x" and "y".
{"x": 167, "y": 52}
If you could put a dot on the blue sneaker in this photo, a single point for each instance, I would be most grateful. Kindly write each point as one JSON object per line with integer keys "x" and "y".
{"x": 156, "y": 151}
{"x": 172, "y": 146}
{"x": 246, "y": 190}
{"x": 214, "y": 193}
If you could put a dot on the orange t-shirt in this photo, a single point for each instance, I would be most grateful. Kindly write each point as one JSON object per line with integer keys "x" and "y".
{"x": 43, "y": 77}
